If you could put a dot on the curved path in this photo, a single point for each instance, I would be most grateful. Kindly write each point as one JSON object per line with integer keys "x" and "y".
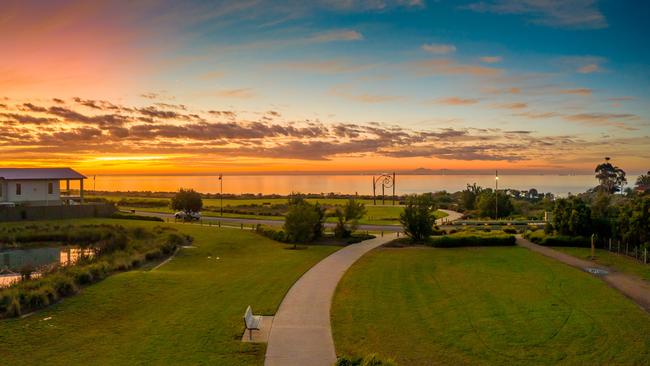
{"x": 630, "y": 286}
{"x": 301, "y": 333}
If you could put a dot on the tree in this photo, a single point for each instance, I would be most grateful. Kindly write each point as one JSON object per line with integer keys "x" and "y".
{"x": 187, "y": 200}
{"x": 601, "y": 214}
{"x": 348, "y": 218}
{"x": 611, "y": 178}
{"x": 643, "y": 182}
{"x": 417, "y": 217}
{"x": 572, "y": 216}
{"x": 468, "y": 196}
{"x": 486, "y": 202}
{"x": 303, "y": 222}
{"x": 633, "y": 224}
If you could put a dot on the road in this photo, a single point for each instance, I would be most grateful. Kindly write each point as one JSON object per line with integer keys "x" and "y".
{"x": 451, "y": 216}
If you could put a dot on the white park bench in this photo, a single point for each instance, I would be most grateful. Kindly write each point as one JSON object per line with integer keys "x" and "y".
{"x": 251, "y": 321}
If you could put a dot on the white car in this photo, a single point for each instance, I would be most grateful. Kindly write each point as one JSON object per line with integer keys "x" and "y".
{"x": 187, "y": 216}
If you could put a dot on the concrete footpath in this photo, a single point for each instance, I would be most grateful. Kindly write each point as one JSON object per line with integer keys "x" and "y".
{"x": 633, "y": 287}
{"x": 301, "y": 333}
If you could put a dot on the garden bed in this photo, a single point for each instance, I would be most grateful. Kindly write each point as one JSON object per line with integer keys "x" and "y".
{"x": 114, "y": 248}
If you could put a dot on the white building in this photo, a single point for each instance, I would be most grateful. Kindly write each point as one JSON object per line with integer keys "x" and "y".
{"x": 39, "y": 186}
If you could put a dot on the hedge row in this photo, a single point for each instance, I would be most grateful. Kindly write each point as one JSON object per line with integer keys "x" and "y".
{"x": 281, "y": 236}
{"x": 126, "y": 216}
{"x": 541, "y": 238}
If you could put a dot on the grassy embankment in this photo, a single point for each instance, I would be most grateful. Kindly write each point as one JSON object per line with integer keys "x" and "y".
{"x": 187, "y": 312}
{"x": 484, "y": 306}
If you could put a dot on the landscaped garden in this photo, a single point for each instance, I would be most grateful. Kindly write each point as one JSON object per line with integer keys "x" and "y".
{"x": 431, "y": 306}
{"x": 259, "y": 208}
{"x": 188, "y": 311}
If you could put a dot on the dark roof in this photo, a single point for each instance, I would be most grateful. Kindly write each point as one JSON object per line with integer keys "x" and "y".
{"x": 39, "y": 173}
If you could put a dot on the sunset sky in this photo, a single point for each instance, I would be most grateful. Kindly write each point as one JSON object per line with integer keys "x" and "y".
{"x": 332, "y": 85}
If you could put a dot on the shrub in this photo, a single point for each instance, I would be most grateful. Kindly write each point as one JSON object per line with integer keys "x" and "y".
{"x": 152, "y": 254}
{"x": 348, "y": 218}
{"x": 357, "y": 238}
{"x": 140, "y": 233}
{"x": 13, "y": 309}
{"x": 303, "y": 223}
{"x": 37, "y": 298}
{"x": 117, "y": 242}
{"x": 63, "y": 285}
{"x": 541, "y": 238}
{"x": 136, "y": 261}
{"x": 370, "y": 360}
{"x": 80, "y": 275}
{"x": 123, "y": 216}
{"x": 417, "y": 217}
{"x": 510, "y": 230}
{"x": 565, "y": 241}
{"x": 438, "y": 231}
{"x": 178, "y": 240}
{"x": 271, "y": 233}
{"x": 99, "y": 270}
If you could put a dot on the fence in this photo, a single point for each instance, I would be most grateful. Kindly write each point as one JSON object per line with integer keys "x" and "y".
{"x": 640, "y": 253}
{"x": 55, "y": 212}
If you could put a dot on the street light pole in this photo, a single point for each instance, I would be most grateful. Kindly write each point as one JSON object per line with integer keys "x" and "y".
{"x": 393, "y": 188}
{"x": 221, "y": 192}
{"x": 496, "y": 194}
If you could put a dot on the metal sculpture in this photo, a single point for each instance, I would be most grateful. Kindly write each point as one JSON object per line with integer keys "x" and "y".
{"x": 387, "y": 181}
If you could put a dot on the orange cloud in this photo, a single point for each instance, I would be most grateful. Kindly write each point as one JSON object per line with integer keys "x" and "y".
{"x": 439, "y": 49}
{"x": 457, "y": 101}
{"x": 588, "y": 69}
{"x": 579, "y": 91}
{"x": 491, "y": 59}
{"x": 243, "y": 93}
{"x": 450, "y": 67}
{"x": 337, "y": 35}
{"x": 619, "y": 120}
{"x": 512, "y": 106}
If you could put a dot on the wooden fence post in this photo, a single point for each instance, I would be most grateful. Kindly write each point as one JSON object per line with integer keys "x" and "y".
{"x": 610, "y": 244}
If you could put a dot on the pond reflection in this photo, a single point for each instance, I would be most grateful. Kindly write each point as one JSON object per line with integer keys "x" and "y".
{"x": 37, "y": 260}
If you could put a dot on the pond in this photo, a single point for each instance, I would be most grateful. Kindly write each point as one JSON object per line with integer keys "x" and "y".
{"x": 37, "y": 259}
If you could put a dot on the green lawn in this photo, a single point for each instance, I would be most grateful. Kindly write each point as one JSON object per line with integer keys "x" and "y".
{"x": 187, "y": 312}
{"x": 484, "y": 306}
{"x": 375, "y": 215}
{"x": 609, "y": 259}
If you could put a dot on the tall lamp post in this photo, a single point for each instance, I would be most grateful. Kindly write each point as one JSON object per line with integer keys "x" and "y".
{"x": 221, "y": 192}
{"x": 496, "y": 194}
